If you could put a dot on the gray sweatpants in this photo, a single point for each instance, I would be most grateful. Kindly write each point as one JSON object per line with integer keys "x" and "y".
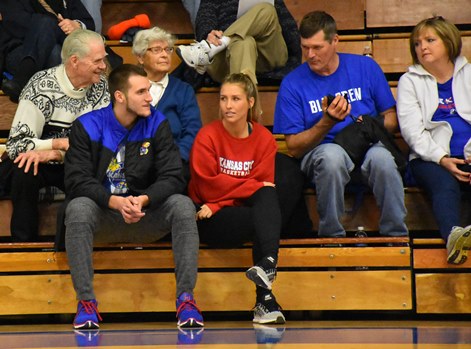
{"x": 86, "y": 222}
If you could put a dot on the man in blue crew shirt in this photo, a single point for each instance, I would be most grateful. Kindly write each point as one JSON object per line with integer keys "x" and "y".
{"x": 310, "y": 125}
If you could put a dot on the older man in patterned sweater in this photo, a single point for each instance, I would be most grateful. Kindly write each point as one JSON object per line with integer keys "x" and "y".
{"x": 48, "y": 105}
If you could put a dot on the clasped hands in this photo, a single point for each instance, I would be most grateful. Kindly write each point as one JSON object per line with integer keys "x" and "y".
{"x": 130, "y": 207}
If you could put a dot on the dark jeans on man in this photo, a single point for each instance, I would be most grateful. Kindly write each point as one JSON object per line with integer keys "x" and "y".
{"x": 25, "y": 194}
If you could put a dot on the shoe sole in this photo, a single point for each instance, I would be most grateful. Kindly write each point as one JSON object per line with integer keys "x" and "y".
{"x": 190, "y": 323}
{"x": 259, "y": 277}
{"x": 459, "y": 253}
{"x": 280, "y": 319}
{"x": 88, "y": 325}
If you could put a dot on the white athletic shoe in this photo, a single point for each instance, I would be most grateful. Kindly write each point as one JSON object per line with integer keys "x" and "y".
{"x": 195, "y": 55}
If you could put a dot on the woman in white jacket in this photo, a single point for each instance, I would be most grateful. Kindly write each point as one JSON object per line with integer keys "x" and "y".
{"x": 434, "y": 110}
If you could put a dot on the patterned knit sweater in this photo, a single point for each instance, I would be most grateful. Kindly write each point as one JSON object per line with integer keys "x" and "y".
{"x": 48, "y": 106}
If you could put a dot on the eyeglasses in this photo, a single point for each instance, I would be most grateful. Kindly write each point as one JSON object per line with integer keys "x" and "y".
{"x": 157, "y": 50}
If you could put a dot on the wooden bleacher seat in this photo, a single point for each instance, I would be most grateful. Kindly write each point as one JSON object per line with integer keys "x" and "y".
{"x": 135, "y": 278}
{"x": 440, "y": 288}
{"x": 398, "y": 13}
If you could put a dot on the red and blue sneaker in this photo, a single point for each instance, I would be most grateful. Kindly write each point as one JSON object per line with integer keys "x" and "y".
{"x": 188, "y": 313}
{"x": 87, "y": 316}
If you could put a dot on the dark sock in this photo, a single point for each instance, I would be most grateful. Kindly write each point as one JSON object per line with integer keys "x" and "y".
{"x": 261, "y": 292}
{"x": 267, "y": 262}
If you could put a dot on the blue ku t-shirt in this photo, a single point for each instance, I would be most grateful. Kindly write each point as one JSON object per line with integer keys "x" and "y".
{"x": 358, "y": 78}
{"x": 446, "y": 111}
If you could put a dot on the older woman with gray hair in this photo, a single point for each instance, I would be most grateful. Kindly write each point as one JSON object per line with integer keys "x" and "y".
{"x": 174, "y": 98}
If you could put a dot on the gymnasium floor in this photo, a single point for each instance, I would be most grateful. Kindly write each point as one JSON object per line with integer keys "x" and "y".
{"x": 243, "y": 334}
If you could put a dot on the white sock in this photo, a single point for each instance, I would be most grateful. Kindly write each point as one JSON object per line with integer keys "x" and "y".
{"x": 213, "y": 49}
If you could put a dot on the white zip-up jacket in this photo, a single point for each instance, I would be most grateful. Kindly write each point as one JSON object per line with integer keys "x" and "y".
{"x": 417, "y": 101}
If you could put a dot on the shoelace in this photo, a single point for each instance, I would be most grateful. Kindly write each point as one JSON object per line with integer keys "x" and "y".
{"x": 91, "y": 308}
{"x": 188, "y": 305}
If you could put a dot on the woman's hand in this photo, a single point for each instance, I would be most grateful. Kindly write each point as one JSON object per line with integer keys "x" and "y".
{"x": 204, "y": 213}
{"x": 451, "y": 165}
{"x": 268, "y": 184}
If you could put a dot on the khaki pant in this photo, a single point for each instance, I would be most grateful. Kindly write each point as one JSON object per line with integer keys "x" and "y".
{"x": 257, "y": 45}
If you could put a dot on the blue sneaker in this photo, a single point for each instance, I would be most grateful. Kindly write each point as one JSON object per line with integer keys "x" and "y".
{"x": 87, "y": 315}
{"x": 188, "y": 313}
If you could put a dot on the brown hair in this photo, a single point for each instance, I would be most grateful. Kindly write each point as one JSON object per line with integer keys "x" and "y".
{"x": 446, "y": 30}
{"x": 315, "y": 21}
{"x": 119, "y": 78}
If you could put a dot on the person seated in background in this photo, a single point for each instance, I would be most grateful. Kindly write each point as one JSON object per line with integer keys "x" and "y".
{"x": 232, "y": 181}
{"x": 310, "y": 125}
{"x": 94, "y": 9}
{"x": 38, "y": 138}
{"x": 235, "y": 39}
{"x": 434, "y": 110}
{"x": 192, "y": 6}
{"x": 34, "y": 34}
{"x": 125, "y": 185}
{"x": 173, "y": 97}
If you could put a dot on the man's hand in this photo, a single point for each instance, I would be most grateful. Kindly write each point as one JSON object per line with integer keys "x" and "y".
{"x": 214, "y": 37}
{"x": 204, "y": 213}
{"x": 451, "y": 164}
{"x": 68, "y": 25}
{"x": 338, "y": 110}
{"x": 130, "y": 208}
{"x": 36, "y": 157}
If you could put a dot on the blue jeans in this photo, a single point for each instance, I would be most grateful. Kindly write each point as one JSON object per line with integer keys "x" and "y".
{"x": 329, "y": 167}
{"x": 444, "y": 190}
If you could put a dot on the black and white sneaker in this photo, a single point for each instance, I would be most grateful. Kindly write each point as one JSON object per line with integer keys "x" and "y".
{"x": 268, "y": 311}
{"x": 263, "y": 274}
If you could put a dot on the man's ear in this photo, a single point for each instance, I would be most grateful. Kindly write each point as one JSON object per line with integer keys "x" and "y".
{"x": 74, "y": 60}
{"x": 119, "y": 96}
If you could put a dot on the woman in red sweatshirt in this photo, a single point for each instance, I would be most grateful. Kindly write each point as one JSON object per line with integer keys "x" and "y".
{"x": 232, "y": 180}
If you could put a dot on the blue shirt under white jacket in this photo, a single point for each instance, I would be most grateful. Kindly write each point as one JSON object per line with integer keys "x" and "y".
{"x": 417, "y": 101}
{"x": 152, "y": 161}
